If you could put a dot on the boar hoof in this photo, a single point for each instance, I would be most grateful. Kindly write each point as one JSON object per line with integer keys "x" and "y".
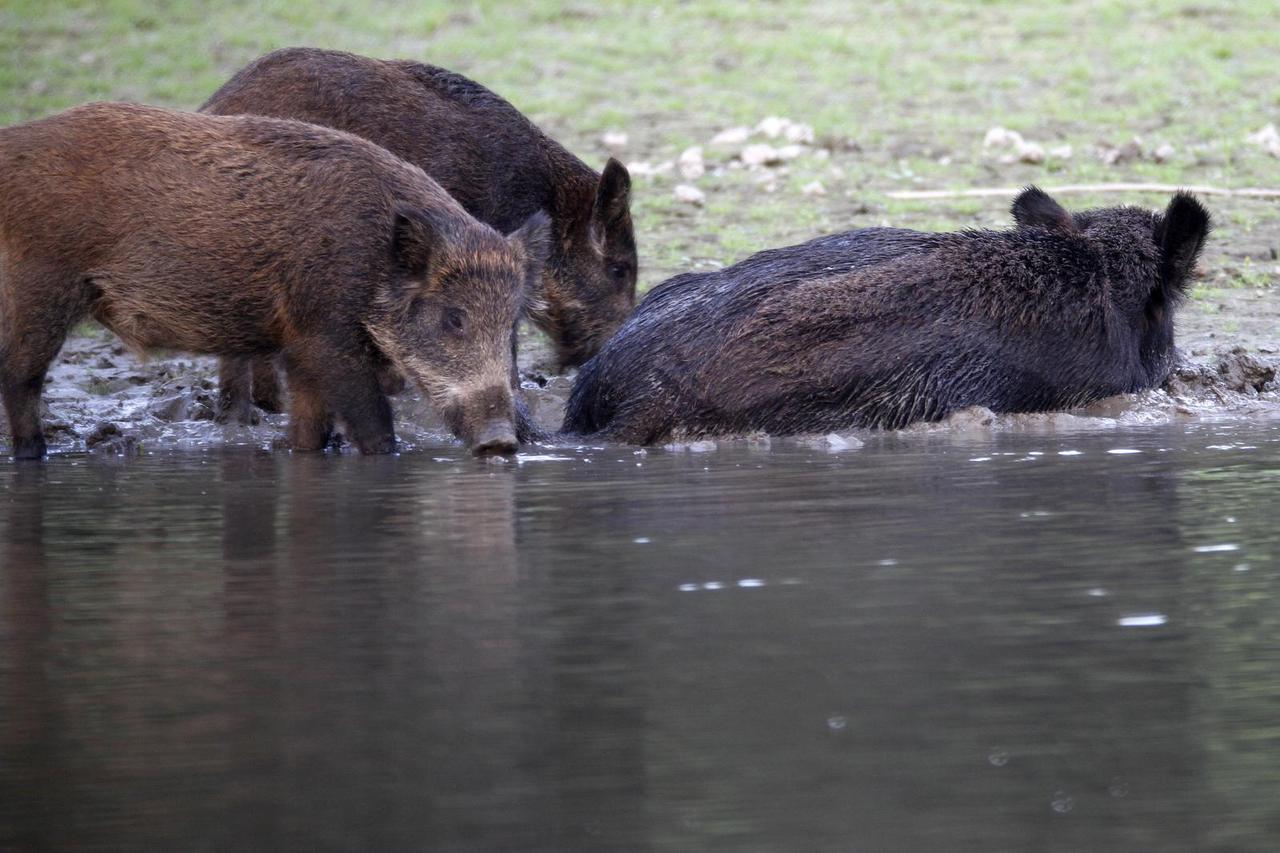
{"x": 29, "y": 448}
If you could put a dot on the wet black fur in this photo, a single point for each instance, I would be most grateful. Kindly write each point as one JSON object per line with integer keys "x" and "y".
{"x": 881, "y": 327}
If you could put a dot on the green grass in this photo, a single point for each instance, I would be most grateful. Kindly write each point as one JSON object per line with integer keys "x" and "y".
{"x": 900, "y": 93}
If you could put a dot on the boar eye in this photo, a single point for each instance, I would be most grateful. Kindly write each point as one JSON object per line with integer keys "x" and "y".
{"x": 454, "y": 321}
{"x": 618, "y": 272}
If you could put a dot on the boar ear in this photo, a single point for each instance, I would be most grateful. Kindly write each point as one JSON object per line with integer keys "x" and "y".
{"x": 416, "y": 238}
{"x": 1181, "y": 233}
{"x": 534, "y": 237}
{"x": 1035, "y": 208}
{"x": 612, "y": 208}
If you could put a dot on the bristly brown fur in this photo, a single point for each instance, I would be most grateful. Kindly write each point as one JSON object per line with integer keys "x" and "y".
{"x": 244, "y": 237}
{"x": 881, "y": 327}
{"x": 492, "y": 159}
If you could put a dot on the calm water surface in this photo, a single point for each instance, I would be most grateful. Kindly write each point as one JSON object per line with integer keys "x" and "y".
{"x": 933, "y": 642}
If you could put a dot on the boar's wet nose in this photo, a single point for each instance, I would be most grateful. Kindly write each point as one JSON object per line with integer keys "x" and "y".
{"x": 496, "y": 438}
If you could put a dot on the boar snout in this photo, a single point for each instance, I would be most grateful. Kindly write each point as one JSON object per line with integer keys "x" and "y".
{"x": 485, "y": 420}
{"x": 496, "y": 438}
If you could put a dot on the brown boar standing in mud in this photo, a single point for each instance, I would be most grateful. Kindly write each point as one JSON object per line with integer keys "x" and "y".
{"x": 247, "y": 236}
{"x": 486, "y": 154}
{"x": 883, "y": 326}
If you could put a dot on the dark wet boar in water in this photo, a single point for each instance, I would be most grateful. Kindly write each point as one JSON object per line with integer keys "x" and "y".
{"x": 488, "y": 156}
{"x": 245, "y": 236}
{"x": 882, "y": 327}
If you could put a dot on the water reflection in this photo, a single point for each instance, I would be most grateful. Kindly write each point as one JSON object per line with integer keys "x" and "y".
{"x": 892, "y": 648}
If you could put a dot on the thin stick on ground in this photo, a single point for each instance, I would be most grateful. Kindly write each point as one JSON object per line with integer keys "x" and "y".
{"x": 1066, "y": 189}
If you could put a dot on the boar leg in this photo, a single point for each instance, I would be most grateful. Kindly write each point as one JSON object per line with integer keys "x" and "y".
{"x": 365, "y": 412}
{"x": 310, "y": 421}
{"x": 233, "y": 391}
{"x": 41, "y": 309}
{"x": 266, "y": 385}
{"x": 324, "y": 381}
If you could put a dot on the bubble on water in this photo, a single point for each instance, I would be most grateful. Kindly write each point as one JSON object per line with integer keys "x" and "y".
{"x": 1142, "y": 620}
{"x": 750, "y": 583}
{"x": 1061, "y": 803}
{"x": 1121, "y": 451}
{"x": 713, "y": 585}
{"x": 998, "y": 758}
{"x": 641, "y": 540}
{"x": 1215, "y": 549}
{"x": 1070, "y": 453}
{"x": 689, "y": 587}
{"x": 836, "y": 723}
{"x": 1118, "y": 788}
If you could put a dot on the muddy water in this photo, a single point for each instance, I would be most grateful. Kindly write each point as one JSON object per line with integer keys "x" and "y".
{"x": 937, "y": 640}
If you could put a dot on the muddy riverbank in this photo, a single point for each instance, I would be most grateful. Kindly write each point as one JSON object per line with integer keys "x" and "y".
{"x": 104, "y": 398}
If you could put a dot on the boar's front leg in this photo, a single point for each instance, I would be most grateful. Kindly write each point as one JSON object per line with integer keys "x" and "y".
{"x": 324, "y": 381}
{"x": 266, "y": 385}
{"x": 233, "y": 391}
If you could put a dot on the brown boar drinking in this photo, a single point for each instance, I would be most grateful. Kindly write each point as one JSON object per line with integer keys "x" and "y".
{"x": 247, "y": 236}
{"x": 882, "y": 327}
{"x": 487, "y": 155}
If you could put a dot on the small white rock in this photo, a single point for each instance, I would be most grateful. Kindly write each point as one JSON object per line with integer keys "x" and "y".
{"x": 691, "y": 165}
{"x": 1268, "y": 138}
{"x": 1163, "y": 153}
{"x": 790, "y": 152}
{"x": 1030, "y": 152}
{"x": 814, "y": 188}
{"x": 614, "y": 139}
{"x": 801, "y": 133}
{"x": 773, "y": 126}
{"x": 689, "y": 194}
{"x": 760, "y": 154}
{"x": 1061, "y": 152}
{"x": 731, "y": 136}
{"x": 1000, "y": 137}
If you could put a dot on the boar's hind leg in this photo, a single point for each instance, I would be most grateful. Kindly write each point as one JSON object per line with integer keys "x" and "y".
{"x": 42, "y": 309}
{"x": 233, "y": 391}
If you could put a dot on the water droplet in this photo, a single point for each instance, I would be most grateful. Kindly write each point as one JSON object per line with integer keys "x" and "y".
{"x": 1121, "y": 451}
{"x": 641, "y": 540}
{"x": 1070, "y": 453}
{"x": 689, "y": 587}
{"x": 1142, "y": 620}
{"x": 980, "y": 459}
{"x": 750, "y": 582}
{"x": 1230, "y": 519}
{"x": 713, "y": 585}
{"x": 998, "y": 758}
{"x": 1215, "y": 549}
{"x": 1061, "y": 803}
{"x": 889, "y": 562}
{"x": 1097, "y": 592}
{"x": 1242, "y": 567}
{"x": 836, "y": 723}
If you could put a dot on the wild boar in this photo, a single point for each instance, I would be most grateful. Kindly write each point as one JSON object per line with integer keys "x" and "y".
{"x": 882, "y": 326}
{"x": 487, "y": 155}
{"x": 246, "y": 236}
